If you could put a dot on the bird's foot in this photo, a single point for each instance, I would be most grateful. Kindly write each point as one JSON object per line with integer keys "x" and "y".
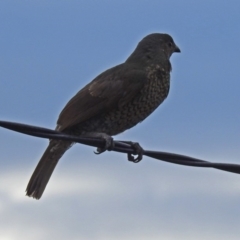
{"x": 138, "y": 150}
{"x": 109, "y": 144}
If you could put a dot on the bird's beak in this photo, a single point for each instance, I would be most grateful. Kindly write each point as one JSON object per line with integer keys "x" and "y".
{"x": 177, "y": 49}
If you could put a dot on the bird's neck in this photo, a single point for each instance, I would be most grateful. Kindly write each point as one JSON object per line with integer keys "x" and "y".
{"x": 146, "y": 58}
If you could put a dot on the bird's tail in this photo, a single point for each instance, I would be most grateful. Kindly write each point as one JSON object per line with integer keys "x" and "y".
{"x": 45, "y": 167}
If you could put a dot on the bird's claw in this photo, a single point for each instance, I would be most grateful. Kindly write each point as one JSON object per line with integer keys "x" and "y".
{"x": 138, "y": 150}
{"x": 109, "y": 145}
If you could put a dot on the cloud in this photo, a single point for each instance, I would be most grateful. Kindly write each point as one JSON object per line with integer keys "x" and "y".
{"x": 108, "y": 199}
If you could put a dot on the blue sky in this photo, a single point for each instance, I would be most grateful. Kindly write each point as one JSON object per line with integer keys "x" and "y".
{"x": 51, "y": 49}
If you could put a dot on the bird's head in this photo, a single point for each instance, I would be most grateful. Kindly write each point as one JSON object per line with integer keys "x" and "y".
{"x": 153, "y": 46}
{"x": 156, "y": 42}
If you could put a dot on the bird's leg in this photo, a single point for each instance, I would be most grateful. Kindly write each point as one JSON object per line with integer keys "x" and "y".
{"x": 138, "y": 150}
{"x": 109, "y": 143}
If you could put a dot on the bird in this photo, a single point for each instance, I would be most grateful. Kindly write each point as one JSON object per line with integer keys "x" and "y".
{"x": 116, "y": 100}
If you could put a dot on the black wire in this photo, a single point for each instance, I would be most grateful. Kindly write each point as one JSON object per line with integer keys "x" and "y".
{"x": 119, "y": 146}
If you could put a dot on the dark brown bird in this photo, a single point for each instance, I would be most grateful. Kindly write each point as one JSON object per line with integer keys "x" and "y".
{"x": 113, "y": 102}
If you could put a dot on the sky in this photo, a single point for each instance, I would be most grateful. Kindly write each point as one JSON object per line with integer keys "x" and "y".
{"x": 51, "y": 49}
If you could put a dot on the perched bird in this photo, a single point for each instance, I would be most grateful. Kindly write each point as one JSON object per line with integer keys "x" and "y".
{"x": 113, "y": 102}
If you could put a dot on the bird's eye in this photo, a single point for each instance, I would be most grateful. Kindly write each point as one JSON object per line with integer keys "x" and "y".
{"x": 170, "y": 44}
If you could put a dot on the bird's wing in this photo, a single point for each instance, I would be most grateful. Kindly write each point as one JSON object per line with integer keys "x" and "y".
{"x": 111, "y": 89}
